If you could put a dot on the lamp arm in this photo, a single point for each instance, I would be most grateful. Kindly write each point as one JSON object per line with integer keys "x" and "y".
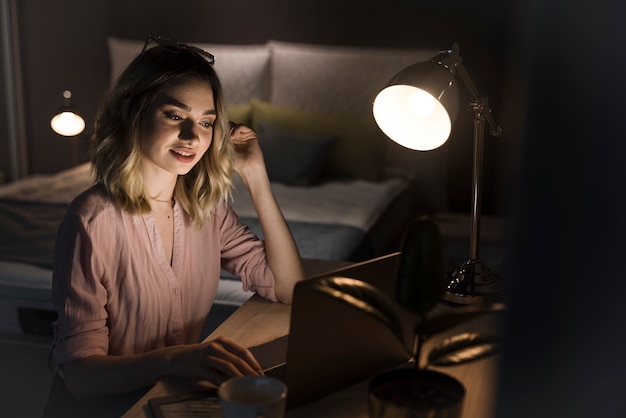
{"x": 482, "y": 113}
{"x": 479, "y": 102}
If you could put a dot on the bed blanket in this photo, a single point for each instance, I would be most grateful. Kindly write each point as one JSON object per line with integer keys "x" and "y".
{"x": 322, "y": 241}
{"x": 29, "y": 232}
{"x": 354, "y": 203}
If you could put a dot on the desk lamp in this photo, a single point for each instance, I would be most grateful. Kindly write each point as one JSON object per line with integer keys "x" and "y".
{"x": 67, "y": 122}
{"x": 417, "y": 110}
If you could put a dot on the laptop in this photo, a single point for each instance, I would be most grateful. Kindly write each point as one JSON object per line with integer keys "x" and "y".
{"x": 331, "y": 344}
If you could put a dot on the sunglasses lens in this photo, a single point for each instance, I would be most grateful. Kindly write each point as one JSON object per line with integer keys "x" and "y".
{"x": 208, "y": 56}
{"x": 167, "y": 44}
{"x": 173, "y": 46}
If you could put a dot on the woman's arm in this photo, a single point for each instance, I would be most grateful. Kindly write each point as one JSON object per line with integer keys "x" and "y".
{"x": 281, "y": 250}
{"x": 214, "y": 361}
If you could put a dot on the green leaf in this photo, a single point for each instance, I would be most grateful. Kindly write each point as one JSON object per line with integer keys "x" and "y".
{"x": 437, "y": 324}
{"x": 463, "y": 348}
{"x": 420, "y": 281}
{"x": 364, "y": 297}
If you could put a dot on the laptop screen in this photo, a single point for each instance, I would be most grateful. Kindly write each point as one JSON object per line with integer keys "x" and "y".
{"x": 333, "y": 344}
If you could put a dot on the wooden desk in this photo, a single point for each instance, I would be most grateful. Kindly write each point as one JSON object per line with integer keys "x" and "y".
{"x": 258, "y": 321}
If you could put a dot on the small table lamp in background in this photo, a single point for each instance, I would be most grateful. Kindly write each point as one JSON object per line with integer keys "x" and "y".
{"x": 417, "y": 110}
{"x": 68, "y": 123}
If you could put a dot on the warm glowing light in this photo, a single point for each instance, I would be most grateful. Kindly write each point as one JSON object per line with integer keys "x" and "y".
{"x": 412, "y": 117}
{"x": 421, "y": 104}
{"x": 67, "y": 124}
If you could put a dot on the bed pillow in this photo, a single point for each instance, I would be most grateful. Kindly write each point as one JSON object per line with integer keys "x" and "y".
{"x": 293, "y": 159}
{"x": 243, "y": 69}
{"x": 240, "y": 113}
{"x": 335, "y": 78}
{"x": 357, "y": 153}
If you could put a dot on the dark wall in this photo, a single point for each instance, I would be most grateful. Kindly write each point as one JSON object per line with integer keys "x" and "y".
{"x": 5, "y": 165}
{"x": 64, "y": 47}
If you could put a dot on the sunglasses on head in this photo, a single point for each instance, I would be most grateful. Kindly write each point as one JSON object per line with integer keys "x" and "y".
{"x": 173, "y": 46}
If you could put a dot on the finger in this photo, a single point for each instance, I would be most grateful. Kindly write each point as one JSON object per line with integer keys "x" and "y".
{"x": 226, "y": 368}
{"x": 243, "y": 133}
{"x": 221, "y": 369}
{"x": 243, "y": 138}
{"x": 232, "y": 358}
{"x": 244, "y": 359}
{"x": 214, "y": 375}
{"x": 247, "y": 356}
{"x": 233, "y": 126}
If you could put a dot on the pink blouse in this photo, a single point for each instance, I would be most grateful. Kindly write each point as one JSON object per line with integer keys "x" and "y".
{"x": 116, "y": 292}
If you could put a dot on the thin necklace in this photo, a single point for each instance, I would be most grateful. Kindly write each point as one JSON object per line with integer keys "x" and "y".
{"x": 171, "y": 201}
{"x": 162, "y": 201}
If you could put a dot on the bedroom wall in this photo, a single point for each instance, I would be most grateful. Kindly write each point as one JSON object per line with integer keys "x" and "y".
{"x": 61, "y": 48}
{"x": 64, "y": 47}
{"x": 5, "y": 165}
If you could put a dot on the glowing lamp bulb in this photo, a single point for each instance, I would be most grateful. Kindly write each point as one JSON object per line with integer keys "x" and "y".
{"x": 421, "y": 104}
{"x": 67, "y": 124}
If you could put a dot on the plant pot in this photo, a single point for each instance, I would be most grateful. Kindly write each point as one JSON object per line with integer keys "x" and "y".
{"x": 392, "y": 394}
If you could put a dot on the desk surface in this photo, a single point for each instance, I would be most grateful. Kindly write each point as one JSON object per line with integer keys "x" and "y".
{"x": 258, "y": 321}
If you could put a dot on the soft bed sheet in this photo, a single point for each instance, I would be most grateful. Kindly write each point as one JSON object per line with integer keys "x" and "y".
{"x": 355, "y": 203}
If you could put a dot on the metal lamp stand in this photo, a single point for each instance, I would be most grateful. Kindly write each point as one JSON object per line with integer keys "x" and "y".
{"x": 472, "y": 282}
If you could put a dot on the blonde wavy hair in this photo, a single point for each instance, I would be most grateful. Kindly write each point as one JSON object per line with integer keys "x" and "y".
{"x": 116, "y": 142}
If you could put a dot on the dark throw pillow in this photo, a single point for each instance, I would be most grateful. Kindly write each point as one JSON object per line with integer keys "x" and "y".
{"x": 293, "y": 159}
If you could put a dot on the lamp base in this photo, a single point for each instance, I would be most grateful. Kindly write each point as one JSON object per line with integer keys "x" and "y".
{"x": 472, "y": 283}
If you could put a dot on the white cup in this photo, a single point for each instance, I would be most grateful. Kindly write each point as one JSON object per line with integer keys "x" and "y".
{"x": 253, "y": 397}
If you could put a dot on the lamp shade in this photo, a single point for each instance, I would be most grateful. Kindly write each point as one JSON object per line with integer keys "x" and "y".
{"x": 67, "y": 122}
{"x": 419, "y": 105}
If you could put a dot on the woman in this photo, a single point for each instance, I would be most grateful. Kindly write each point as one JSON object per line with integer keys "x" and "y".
{"x": 138, "y": 255}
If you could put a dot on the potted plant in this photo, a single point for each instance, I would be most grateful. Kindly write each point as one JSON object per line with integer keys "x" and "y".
{"x": 418, "y": 391}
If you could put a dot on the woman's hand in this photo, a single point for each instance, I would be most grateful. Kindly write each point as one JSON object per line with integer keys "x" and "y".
{"x": 105, "y": 375}
{"x": 214, "y": 361}
{"x": 248, "y": 157}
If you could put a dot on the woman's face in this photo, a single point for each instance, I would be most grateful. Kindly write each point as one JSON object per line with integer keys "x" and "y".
{"x": 178, "y": 127}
